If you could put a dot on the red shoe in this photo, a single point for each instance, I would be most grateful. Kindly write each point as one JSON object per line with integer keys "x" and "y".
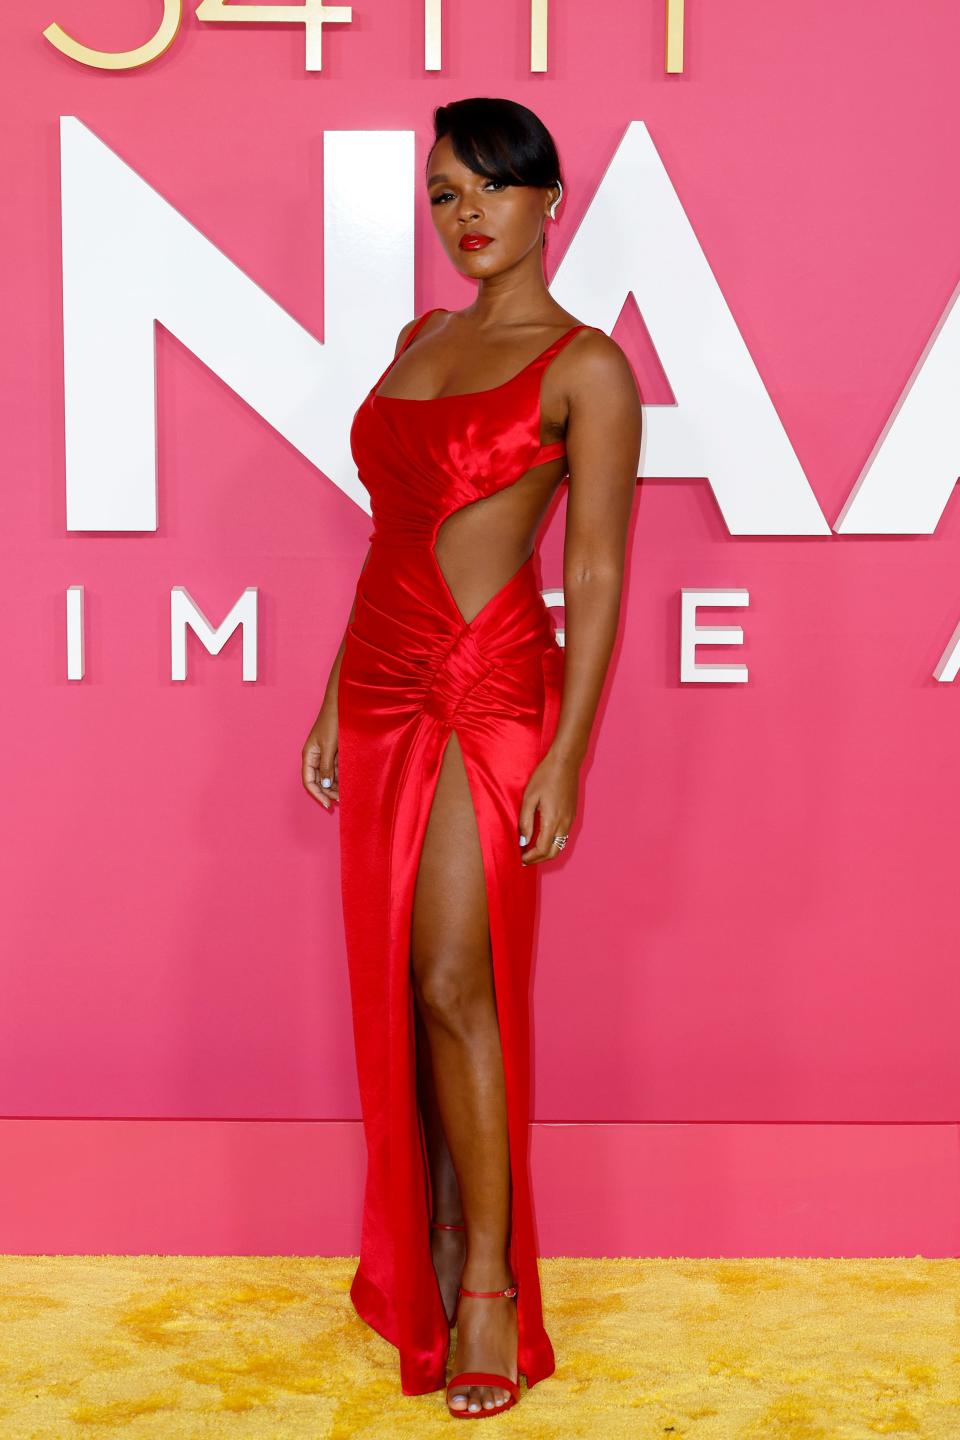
{"x": 482, "y": 1377}
{"x": 445, "y": 1225}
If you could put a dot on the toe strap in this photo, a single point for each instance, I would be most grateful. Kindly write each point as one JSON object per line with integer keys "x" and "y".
{"x": 484, "y": 1377}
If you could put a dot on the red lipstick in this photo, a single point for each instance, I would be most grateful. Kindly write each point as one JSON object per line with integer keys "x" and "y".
{"x": 473, "y": 240}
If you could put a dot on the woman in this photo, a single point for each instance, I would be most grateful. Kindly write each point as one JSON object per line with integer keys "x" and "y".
{"x": 457, "y": 726}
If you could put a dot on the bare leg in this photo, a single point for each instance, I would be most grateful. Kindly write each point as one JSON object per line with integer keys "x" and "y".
{"x": 448, "y": 1247}
{"x": 453, "y": 987}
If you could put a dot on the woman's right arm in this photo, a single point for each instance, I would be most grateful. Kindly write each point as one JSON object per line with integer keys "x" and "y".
{"x": 319, "y": 754}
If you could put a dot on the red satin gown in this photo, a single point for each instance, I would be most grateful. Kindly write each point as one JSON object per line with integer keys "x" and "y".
{"x": 412, "y": 671}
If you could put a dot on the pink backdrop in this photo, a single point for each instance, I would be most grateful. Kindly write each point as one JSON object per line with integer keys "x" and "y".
{"x": 756, "y": 919}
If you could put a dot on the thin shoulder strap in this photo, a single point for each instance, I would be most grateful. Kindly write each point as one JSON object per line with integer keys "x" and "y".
{"x": 556, "y": 448}
{"x": 544, "y": 358}
{"x": 417, "y": 325}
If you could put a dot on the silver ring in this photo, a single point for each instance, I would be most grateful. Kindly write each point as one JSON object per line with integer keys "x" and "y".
{"x": 560, "y": 841}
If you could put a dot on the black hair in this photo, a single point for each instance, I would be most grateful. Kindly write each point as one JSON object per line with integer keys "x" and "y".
{"x": 500, "y": 139}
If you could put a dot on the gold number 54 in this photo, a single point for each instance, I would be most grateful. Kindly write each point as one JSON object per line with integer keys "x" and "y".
{"x": 312, "y": 14}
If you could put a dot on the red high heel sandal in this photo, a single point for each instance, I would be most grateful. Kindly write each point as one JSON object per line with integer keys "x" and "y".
{"x": 482, "y": 1377}
{"x": 446, "y": 1225}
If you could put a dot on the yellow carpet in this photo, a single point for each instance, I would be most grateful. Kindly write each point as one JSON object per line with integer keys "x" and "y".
{"x": 211, "y": 1347}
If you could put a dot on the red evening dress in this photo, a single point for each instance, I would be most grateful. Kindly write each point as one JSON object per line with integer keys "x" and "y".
{"x": 412, "y": 671}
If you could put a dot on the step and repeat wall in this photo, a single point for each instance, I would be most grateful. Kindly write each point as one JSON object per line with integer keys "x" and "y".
{"x": 214, "y": 226}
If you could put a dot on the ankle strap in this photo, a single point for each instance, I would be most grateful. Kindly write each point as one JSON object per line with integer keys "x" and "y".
{"x": 446, "y": 1225}
{"x": 510, "y": 1291}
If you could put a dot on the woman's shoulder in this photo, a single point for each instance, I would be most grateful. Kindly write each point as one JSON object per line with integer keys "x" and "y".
{"x": 424, "y": 319}
{"x": 596, "y": 360}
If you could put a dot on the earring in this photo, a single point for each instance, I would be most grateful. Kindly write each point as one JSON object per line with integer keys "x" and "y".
{"x": 553, "y": 208}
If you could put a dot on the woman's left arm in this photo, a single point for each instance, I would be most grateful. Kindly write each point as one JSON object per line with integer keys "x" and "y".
{"x": 604, "y": 429}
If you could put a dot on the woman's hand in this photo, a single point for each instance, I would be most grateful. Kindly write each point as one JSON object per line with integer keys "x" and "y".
{"x": 320, "y": 777}
{"x": 551, "y": 790}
